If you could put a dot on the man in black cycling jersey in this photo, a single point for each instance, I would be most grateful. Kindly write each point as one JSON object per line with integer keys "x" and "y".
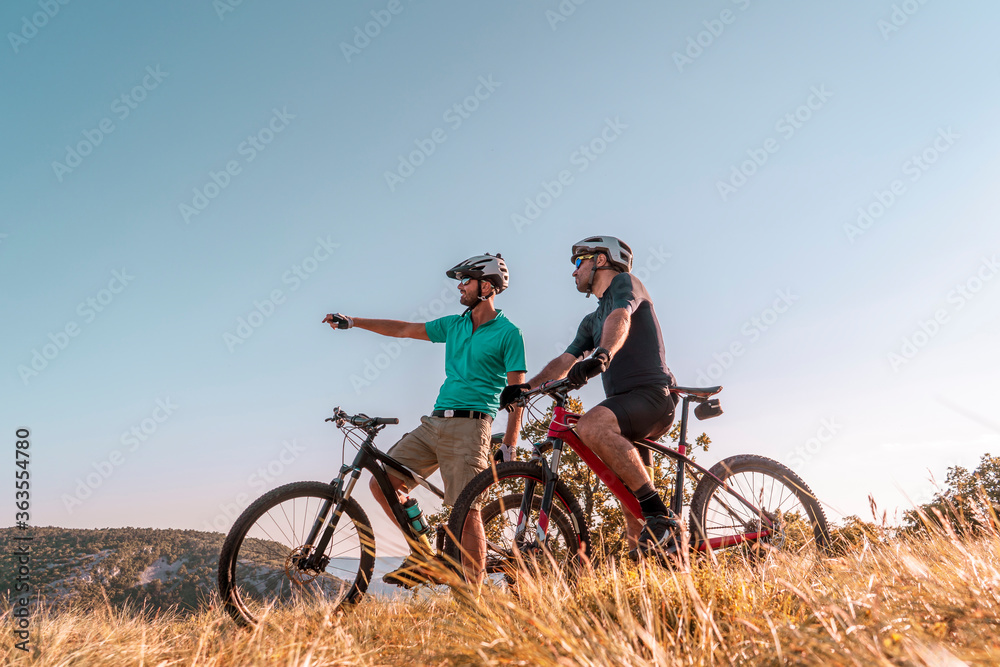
{"x": 625, "y": 344}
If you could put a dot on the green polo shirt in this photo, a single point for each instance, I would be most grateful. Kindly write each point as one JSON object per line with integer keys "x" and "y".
{"x": 476, "y": 363}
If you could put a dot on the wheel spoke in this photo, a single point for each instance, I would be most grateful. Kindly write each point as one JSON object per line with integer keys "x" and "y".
{"x": 269, "y": 572}
{"x": 783, "y": 502}
{"x": 501, "y": 500}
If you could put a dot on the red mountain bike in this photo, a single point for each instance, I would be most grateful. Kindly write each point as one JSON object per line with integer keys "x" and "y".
{"x": 743, "y": 502}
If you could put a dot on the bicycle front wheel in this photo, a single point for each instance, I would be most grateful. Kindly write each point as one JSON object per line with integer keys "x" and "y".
{"x": 261, "y": 564}
{"x": 786, "y": 513}
{"x": 509, "y": 547}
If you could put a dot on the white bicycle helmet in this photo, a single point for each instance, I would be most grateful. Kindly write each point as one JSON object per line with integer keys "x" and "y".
{"x": 483, "y": 267}
{"x": 618, "y": 253}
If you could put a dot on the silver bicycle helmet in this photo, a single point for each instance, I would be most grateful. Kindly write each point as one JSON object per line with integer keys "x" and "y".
{"x": 483, "y": 267}
{"x": 618, "y": 253}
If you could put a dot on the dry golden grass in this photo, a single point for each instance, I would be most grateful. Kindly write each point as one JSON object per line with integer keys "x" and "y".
{"x": 928, "y": 601}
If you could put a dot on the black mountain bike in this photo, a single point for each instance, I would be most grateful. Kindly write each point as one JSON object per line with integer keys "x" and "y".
{"x": 311, "y": 542}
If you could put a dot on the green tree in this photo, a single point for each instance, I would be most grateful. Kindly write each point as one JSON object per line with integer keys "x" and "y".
{"x": 968, "y": 501}
{"x": 854, "y": 533}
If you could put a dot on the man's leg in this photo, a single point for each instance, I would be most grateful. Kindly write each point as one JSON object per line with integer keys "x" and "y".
{"x": 632, "y": 529}
{"x": 474, "y": 546}
{"x": 414, "y": 451}
{"x": 599, "y": 429}
{"x": 397, "y": 485}
{"x": 463, "y": 450}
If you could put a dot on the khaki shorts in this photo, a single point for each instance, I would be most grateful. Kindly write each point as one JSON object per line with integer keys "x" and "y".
{"x": 459, "y": 446}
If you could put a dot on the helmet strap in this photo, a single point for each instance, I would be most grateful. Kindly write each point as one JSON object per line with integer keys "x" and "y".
{"x": 478, "y": 300}
{"x": 590, "y": 283}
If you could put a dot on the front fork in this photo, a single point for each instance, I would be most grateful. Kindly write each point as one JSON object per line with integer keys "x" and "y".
{"x": 551, "y": 472}
{"x": 326, "y": 520}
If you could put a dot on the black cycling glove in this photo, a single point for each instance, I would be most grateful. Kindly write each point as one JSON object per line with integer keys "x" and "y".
{"x": 511, "y": 394}
{"x": 503, "y": 453}
{"x": 341, "y": 321}
{"x": 586, "y": 369}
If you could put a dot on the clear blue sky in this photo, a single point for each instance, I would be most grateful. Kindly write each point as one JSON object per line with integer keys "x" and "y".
{"x": 824, "y": 108}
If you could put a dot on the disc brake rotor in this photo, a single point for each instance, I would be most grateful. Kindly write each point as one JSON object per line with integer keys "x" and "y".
{"x": 295, "y": 574}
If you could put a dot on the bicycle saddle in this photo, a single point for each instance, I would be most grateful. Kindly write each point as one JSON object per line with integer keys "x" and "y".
{"x": 702, "y": 392}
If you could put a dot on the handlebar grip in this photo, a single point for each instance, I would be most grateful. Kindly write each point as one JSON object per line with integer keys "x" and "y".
{"x": 386, "y": 420}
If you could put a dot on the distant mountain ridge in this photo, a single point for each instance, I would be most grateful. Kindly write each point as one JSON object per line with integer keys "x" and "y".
{"x": 153, "y": 568}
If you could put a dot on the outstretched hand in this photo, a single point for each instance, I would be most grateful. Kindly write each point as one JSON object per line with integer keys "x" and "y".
{"x": 338, "y": 321}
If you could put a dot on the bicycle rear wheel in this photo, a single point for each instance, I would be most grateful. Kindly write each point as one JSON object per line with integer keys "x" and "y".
{"x": 720, "y": 521}
{"x": 260, "y": 563}
{"x": 500, "y": 496}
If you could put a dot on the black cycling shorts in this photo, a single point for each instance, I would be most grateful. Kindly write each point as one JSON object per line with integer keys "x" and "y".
{"x": 643, "y": 412}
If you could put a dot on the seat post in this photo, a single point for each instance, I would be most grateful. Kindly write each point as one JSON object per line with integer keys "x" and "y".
{"x": 678, "y": 501}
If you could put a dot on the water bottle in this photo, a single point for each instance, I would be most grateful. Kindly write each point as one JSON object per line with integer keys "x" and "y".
{"x": 416, "y": 516}
{"x": 419, "y": 525}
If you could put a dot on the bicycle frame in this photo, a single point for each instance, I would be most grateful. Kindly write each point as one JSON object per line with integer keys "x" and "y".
{"x": 561, "y": 432}
{"x": 371, "y": 459}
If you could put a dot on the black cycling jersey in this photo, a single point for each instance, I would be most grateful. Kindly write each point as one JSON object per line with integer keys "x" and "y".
{"x": 641, "y": 361}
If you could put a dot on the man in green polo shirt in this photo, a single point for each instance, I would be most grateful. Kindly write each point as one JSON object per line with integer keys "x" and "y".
{"x": 484, "y": 352}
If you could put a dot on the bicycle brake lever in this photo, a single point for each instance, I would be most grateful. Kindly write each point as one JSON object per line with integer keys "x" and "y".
{"x": 553, "y": 384}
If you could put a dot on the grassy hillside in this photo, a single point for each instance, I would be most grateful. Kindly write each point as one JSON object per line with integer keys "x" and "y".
{"x": 909, "y": 601}
{"x": 136, "y": 566}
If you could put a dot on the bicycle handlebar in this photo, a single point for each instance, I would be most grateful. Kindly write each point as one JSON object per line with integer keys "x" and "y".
{"x": 361, "y": 420}
{"x": 550, "y": 387}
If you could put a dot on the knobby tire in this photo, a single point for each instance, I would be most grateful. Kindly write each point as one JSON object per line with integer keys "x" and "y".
{"x": 256, "y": 565}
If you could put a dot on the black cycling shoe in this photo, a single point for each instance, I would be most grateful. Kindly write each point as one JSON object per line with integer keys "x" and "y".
{"x": 658, "y": 536}
{"x": 415, "y": 569}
